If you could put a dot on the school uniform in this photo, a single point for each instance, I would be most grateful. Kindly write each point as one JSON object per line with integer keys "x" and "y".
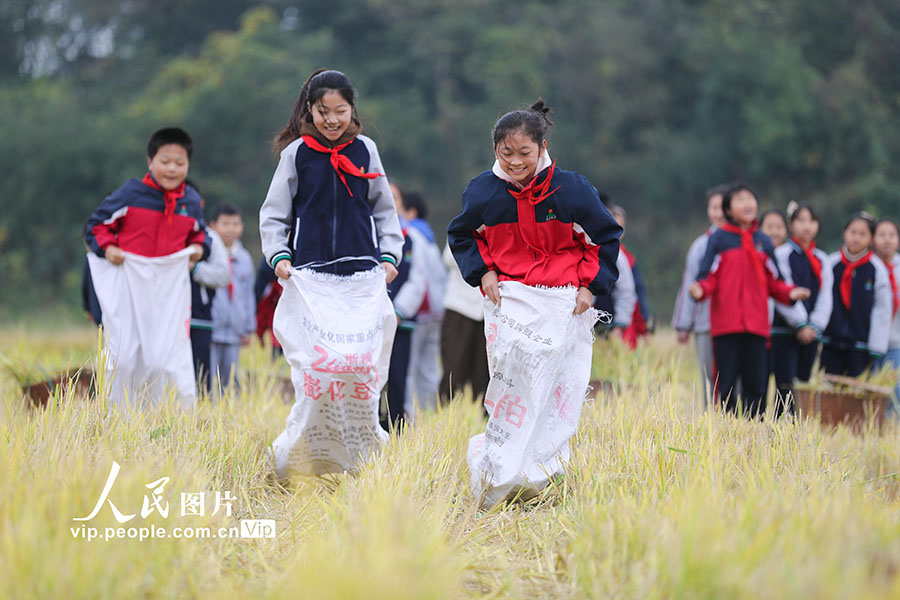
{"x": 555, "y": 232}
{"x": 207, "y": 276}
{"x": 142, "y": 218}
{"x": 791, "y": 359}
{"x": 233, "y": 314}
{"x": 330, "y": 210}
{"x": 424, "y": 376}
{"x": 406, "y": 291}
{"x": 693, "y": 316}
{"x": 739, "y": 274}
{"x": 621, "y": 300}
{"x": 860, "y": 325}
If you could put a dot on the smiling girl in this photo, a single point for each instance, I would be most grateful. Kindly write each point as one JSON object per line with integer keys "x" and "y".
{"x": 329, "y": 207}
{"x": 540, "y": 244}
{"x": 330, "y": 231}
{"x": 797, "y": 329}
{"x": 527, "y": 221}
{"x": 860, "y": 322}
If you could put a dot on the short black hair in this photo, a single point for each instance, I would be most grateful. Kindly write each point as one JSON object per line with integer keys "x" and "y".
{"x": 416, "y": 201}
{"x": 604, "y": 199}
{"x": 731, "y": 192}
{"x": 169, "y": 135}
{"x": 225, "y": 209}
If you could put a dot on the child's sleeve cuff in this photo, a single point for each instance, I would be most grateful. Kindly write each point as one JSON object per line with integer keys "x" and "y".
{"x": 280, "y": 256}
{"x": 389, "y": 258}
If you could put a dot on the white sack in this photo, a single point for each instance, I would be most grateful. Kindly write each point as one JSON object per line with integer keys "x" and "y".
{"x": 337, "y": 334}
{"x": 539, "y": 358}
{"x": 146, "y": 305}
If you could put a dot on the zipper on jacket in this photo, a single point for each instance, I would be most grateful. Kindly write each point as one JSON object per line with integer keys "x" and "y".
{"x": 334, "y": 216}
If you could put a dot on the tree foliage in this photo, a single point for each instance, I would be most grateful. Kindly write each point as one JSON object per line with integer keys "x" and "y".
{"x": 654, "y": 101}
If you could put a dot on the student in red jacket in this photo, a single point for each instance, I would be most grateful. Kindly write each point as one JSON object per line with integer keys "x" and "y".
{"x": 739, "y": 274}
{"x": 154, "y": 216}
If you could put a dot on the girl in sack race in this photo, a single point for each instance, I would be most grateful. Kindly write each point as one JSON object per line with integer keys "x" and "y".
{"x": 330, "y": 231}
{"x": 540, "y": 244}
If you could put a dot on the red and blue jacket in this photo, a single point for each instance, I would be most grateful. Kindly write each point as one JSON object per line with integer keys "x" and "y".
{"x": 738, "y": 273}
{"x": 553, "y": 233}
{"x": 142, "y": 219}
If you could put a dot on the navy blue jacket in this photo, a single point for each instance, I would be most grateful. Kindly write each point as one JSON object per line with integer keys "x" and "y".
{"x": 866, "y": 325}
{"x": 796, "y": 269}
{"x": 311, "y": 217}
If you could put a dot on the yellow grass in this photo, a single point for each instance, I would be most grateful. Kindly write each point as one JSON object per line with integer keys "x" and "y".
{"x": 663, "y": 500}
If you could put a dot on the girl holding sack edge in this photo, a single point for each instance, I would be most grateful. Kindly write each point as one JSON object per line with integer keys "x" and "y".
{"x": 540, "y": 244}
{"x": 330, "y": 231}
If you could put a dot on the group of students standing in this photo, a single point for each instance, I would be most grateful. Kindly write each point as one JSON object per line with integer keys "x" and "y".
{"x": 762, "y": 299}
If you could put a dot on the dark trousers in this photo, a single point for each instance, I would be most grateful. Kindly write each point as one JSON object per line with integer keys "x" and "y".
{"x": 200, "y": 341}
{"x": 791, "y": 361}
{"x": 396, "y": 385}
{"x": 741, "y": 355}
{"x": 463, "y": 356}
{"x": 850, "y": 362}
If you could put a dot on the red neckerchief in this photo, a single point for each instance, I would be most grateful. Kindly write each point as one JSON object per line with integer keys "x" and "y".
{"x": 748, "y": 247}
{"x": 847, "y": 277}
{"x": 814, "y": 261}
{"x": 231, "y": 262}
{"x": 535, "y": 192}
{"x": 170, "y": 197}
{"x": 890, "y": 270}
{"x": 341, "y": 163}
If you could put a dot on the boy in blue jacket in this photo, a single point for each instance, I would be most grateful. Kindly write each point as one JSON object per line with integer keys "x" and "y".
{"x": 234, "y": 307}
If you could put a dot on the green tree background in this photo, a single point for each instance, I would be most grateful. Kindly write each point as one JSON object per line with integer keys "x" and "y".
{"x": 654, "y": 100}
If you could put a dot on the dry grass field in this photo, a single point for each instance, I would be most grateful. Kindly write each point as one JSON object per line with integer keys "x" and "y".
{"x": 663, "y": 499}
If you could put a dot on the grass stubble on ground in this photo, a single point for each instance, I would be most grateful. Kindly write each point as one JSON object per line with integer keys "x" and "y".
{"x": 662, "y": 499}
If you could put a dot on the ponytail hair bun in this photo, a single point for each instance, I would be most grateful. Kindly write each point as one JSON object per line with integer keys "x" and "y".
{"x": 534, "y": 122}
{"x": 543, "y": 110}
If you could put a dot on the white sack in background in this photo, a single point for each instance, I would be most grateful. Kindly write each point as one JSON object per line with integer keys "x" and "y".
{"x": 146, "y": 306}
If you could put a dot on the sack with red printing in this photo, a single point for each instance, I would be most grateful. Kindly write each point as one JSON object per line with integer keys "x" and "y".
{"x": 539, "y": 358}
{"x": 336, "y": 333}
